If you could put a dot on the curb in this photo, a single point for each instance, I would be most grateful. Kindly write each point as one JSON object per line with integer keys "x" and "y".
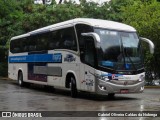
{"x": 4, "y": 78}
{"x": 154, "y": 87}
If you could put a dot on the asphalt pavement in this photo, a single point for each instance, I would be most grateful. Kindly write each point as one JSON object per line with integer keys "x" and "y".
{"x": 39, "y": 98}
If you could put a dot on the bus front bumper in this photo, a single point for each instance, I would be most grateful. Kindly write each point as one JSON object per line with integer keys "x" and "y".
{"x": 120, "y": 87}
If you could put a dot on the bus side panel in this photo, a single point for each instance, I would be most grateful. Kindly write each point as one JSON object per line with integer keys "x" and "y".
{"x": 54, "y": 80}
{"x": 69, "y": 65}
{"x": 11, "y": 72}
{"x": 13, "y": 69}
{"x": 14, "y": 66}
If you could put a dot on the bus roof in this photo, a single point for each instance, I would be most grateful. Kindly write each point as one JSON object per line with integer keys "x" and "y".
{"x": 92, "y": 22}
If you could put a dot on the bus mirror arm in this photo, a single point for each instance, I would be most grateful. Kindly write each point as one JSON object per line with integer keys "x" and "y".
{"x": 95, "y": 37}
{"x": 151, "y": 44}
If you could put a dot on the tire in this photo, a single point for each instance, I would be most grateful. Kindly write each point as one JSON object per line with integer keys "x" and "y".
{"x": 111, "y": 95}
{"x": 20, "y": 79}
{"x": 73, "y": 88}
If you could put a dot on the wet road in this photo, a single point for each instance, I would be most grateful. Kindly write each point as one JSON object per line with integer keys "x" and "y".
{"x": 37, "y": 98}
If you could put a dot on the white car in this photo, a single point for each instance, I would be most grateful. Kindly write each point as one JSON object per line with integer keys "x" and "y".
{"x": 38, "y": 2}
{"x": 48, "y": 2}
{"x": 156, "y": 82}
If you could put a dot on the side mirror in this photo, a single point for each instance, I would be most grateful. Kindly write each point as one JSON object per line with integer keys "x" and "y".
{"x": 151, "y": 44}
{"x": 95, "y": 37}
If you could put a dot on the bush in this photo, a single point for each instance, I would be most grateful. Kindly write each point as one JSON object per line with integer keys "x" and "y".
{"x": 4, "y": 69}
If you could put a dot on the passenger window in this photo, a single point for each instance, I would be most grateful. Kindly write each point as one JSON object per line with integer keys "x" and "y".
{"x": 15, "y": 46}
{"x": 32, "y": 43}
{"x": 68, "y": 39}
{"x": 59, "y": 39}
{"x": 42, "y": 41}
{"x": 54, "y": 40}
{"x": 63, "y": 39}
{"x": 24, "y": 44}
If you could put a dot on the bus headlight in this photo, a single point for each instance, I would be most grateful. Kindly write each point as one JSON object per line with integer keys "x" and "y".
{"x": 100, "y": 77}
{"x": 141, "y": 78}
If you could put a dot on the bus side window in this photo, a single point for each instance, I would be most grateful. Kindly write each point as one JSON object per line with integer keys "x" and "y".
{"x": 25, "y": 48}
{"x": 53, "y": 40}
{"x": 24, "y": 45}
{"x": 68, "y": 39}
{"x": 41, "y": 41}
{"x": 32, "y": 43}
{"x": 15, "y": 46}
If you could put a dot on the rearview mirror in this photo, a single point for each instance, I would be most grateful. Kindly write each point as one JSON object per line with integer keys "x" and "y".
{"x": 151, "y": 44}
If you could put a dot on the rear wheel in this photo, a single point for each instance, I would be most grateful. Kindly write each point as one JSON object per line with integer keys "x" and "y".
{"x": 20, "y": 79}
{"x": 73, "y": 88}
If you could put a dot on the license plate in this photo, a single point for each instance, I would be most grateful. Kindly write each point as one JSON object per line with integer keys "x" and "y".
{"x": 124, "y": 91}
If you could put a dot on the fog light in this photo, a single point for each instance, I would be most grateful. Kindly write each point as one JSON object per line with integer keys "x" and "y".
{"x": 102, "y": 87}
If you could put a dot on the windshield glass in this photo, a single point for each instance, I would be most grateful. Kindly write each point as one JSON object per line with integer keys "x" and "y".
{"x": 119, "y": 50}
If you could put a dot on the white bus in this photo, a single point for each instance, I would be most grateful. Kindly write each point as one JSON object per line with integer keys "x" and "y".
{"x": 92, "y": 55}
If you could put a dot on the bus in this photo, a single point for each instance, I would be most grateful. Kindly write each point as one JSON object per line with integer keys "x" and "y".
{"x": 91, "y": 55}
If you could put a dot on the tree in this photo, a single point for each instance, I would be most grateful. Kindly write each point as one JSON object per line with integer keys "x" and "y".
{"x": 8, "y": 14}
{"x": 115, "y": 12}
{"x": 18, "y": 17}
{"x": 145, "y": 17}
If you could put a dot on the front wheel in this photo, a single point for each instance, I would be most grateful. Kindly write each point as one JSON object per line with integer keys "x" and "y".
{"x": 111, "y": 95}
{"x": 73, "y": 88}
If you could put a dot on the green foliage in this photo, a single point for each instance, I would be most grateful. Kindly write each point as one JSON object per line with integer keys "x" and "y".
{"x": 145, "y": 17}
{"x": 3, "y": 69}
{"x": 115, "y": 8}
{"x": 18, "y": 17}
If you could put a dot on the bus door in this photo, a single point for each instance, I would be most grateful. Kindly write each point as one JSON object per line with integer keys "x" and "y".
{"x": 87, "y": 69}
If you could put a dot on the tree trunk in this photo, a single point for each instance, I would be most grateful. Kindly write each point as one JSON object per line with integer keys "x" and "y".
{"x": 60, "y": 1}
{"x": 43, "y": 1}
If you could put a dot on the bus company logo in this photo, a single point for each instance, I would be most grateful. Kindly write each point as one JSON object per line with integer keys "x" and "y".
{"x": 125, "y": 83}
{"x": 69, "y": 58}
{"x": 18, "y": 59}
{"x": 114, "y": 77}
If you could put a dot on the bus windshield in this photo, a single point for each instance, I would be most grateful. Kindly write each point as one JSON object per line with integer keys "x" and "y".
{"x": 119, "y": 50}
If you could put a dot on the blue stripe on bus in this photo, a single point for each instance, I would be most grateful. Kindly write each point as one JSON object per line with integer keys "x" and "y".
{"x": 55, "y": 58}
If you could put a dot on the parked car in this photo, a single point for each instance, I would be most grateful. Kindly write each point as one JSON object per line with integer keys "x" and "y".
{"x": 38, "y": 2}
{"x": 152, "y": 82}
{"x": 156, "y": 82}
